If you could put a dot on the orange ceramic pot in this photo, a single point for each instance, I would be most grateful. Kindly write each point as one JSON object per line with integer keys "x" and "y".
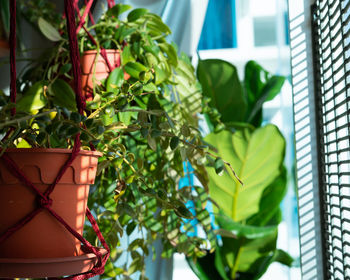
{"x": 89, "y": 72}
{"x": 44, "y": 236}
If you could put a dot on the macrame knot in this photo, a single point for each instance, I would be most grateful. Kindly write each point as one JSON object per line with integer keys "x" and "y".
{"x": 45, "y": 202}
{"x": 98, "y": 270}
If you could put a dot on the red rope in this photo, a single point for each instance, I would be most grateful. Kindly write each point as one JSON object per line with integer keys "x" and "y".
{"x": 86, "y": 12}
{"x": 75, "y": 152}
{"x": 74, "y": 54}
{"x": 13, "y": 91}
{"x": 90, "y": 15}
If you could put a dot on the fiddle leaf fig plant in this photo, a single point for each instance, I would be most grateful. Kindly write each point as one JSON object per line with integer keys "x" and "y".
{"x": 247, "y": 215}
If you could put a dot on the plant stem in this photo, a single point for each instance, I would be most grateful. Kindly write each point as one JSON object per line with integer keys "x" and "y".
{"x": 235, "y": 266}
{"x": 16, "y": 121}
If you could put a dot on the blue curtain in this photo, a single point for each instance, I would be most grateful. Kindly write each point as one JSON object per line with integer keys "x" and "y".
{"x": 219, "y": 29}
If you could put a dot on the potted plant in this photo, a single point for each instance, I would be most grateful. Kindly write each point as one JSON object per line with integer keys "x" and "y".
{"x": 247, "y": 216}
{"x": 143, "y": 135}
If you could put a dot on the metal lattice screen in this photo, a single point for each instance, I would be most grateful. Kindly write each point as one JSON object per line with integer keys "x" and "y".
{"x": 331, "y": 35}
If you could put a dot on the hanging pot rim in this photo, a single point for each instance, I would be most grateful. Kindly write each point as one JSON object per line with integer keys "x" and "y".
{"x": 95, "y": 51}
{"x": 51, "y": 150}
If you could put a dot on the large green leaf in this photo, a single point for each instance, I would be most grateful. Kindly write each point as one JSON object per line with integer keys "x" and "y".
{"x": 204, "y": 267}
{"x": 33, "y": 99}
{"x": 259, "y": 267}
{"x": 221, "y": 84}
{"x": 63, "y": 95}
{"x": 48, "y": 30}
{"x": 270, "y": 200}
{"x": 255, "y": 78}
{"x": 256, "y": 156}
{"x": 227, "y": 225}
{"x": 260, "y": 86}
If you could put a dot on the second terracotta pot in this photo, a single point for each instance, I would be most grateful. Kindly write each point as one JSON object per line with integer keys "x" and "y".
{"x": 44, "y": 236}
{"x": 90, "y": 73}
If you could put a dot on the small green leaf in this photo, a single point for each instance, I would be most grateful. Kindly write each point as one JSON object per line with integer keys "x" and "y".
{"x": 117, "y": 10}
{"x": 185, "y": 131}
{"x": 126, "y": 55}
{"x": 139, "y": 163}
{"x": 115, "y": 79}
{"x": 75, "y": 117}
{"x": 152, "y": 142}
{"x": 156, "y": 133}
{"x": 174, "y": 142}
{"x": 65, "y": 68}
{"x": 161, "y": 74}
{"x": 134, "y": 69}
{"x": 219, "y": 166}
{"x": 162, "y": 194}
{"x": 63, "y": 95}
{"x": 130, "y": 228}
{"x": 48, "y": 30}
{"x": 183, "y": 212}
{"x": 136, "y": 14}
{"x": 170, "y": 52}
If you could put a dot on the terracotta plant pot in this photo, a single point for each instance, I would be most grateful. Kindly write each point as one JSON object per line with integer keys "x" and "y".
{"x": 44, "y": 236}
{"x": 100, "y": 72}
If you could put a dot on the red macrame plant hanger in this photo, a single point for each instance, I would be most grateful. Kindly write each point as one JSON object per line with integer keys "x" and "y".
{"x": 44, "y": 199}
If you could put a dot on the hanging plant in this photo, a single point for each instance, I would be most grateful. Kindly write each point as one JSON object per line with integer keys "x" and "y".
{"x": 143, "y": 119}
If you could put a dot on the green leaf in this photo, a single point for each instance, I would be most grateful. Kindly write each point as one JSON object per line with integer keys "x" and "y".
{"x": 204, "y": 268}
{"x": 48, "y": 30}
{"x": 221, "y": 84}
{"x": 183, "y": 212}
{"x": 241, "y": 230}
{"x": 155, "y": 23}
{"x": 219, "y": 166}
{"x": 260, "y": 266}
{"x": 115, "y": 79}
{"x": 269, "y": 91}
{"x": 170, "y": 52}
{"x": 255, "y": 78}
{"x": 63, "y": 95}
{"x": 220, "y": 263}
{"x": 65, "y": 68}
{"x": 136, "y": 14}
{"x": 270, "y": 200}
{"x": 283, "y": 257}
{"x": 260, "y": 86}
{"x": 161, "y": 73}
{"x": 134, "y": 69}
{"x": 117, "y": 10}
{"x": 152, "y": 142}
{"x": 33, "y": 98}
{"x": 126, "y": 55}
{"x": 256, "y": 156}
{"x": 174, "y": 142}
